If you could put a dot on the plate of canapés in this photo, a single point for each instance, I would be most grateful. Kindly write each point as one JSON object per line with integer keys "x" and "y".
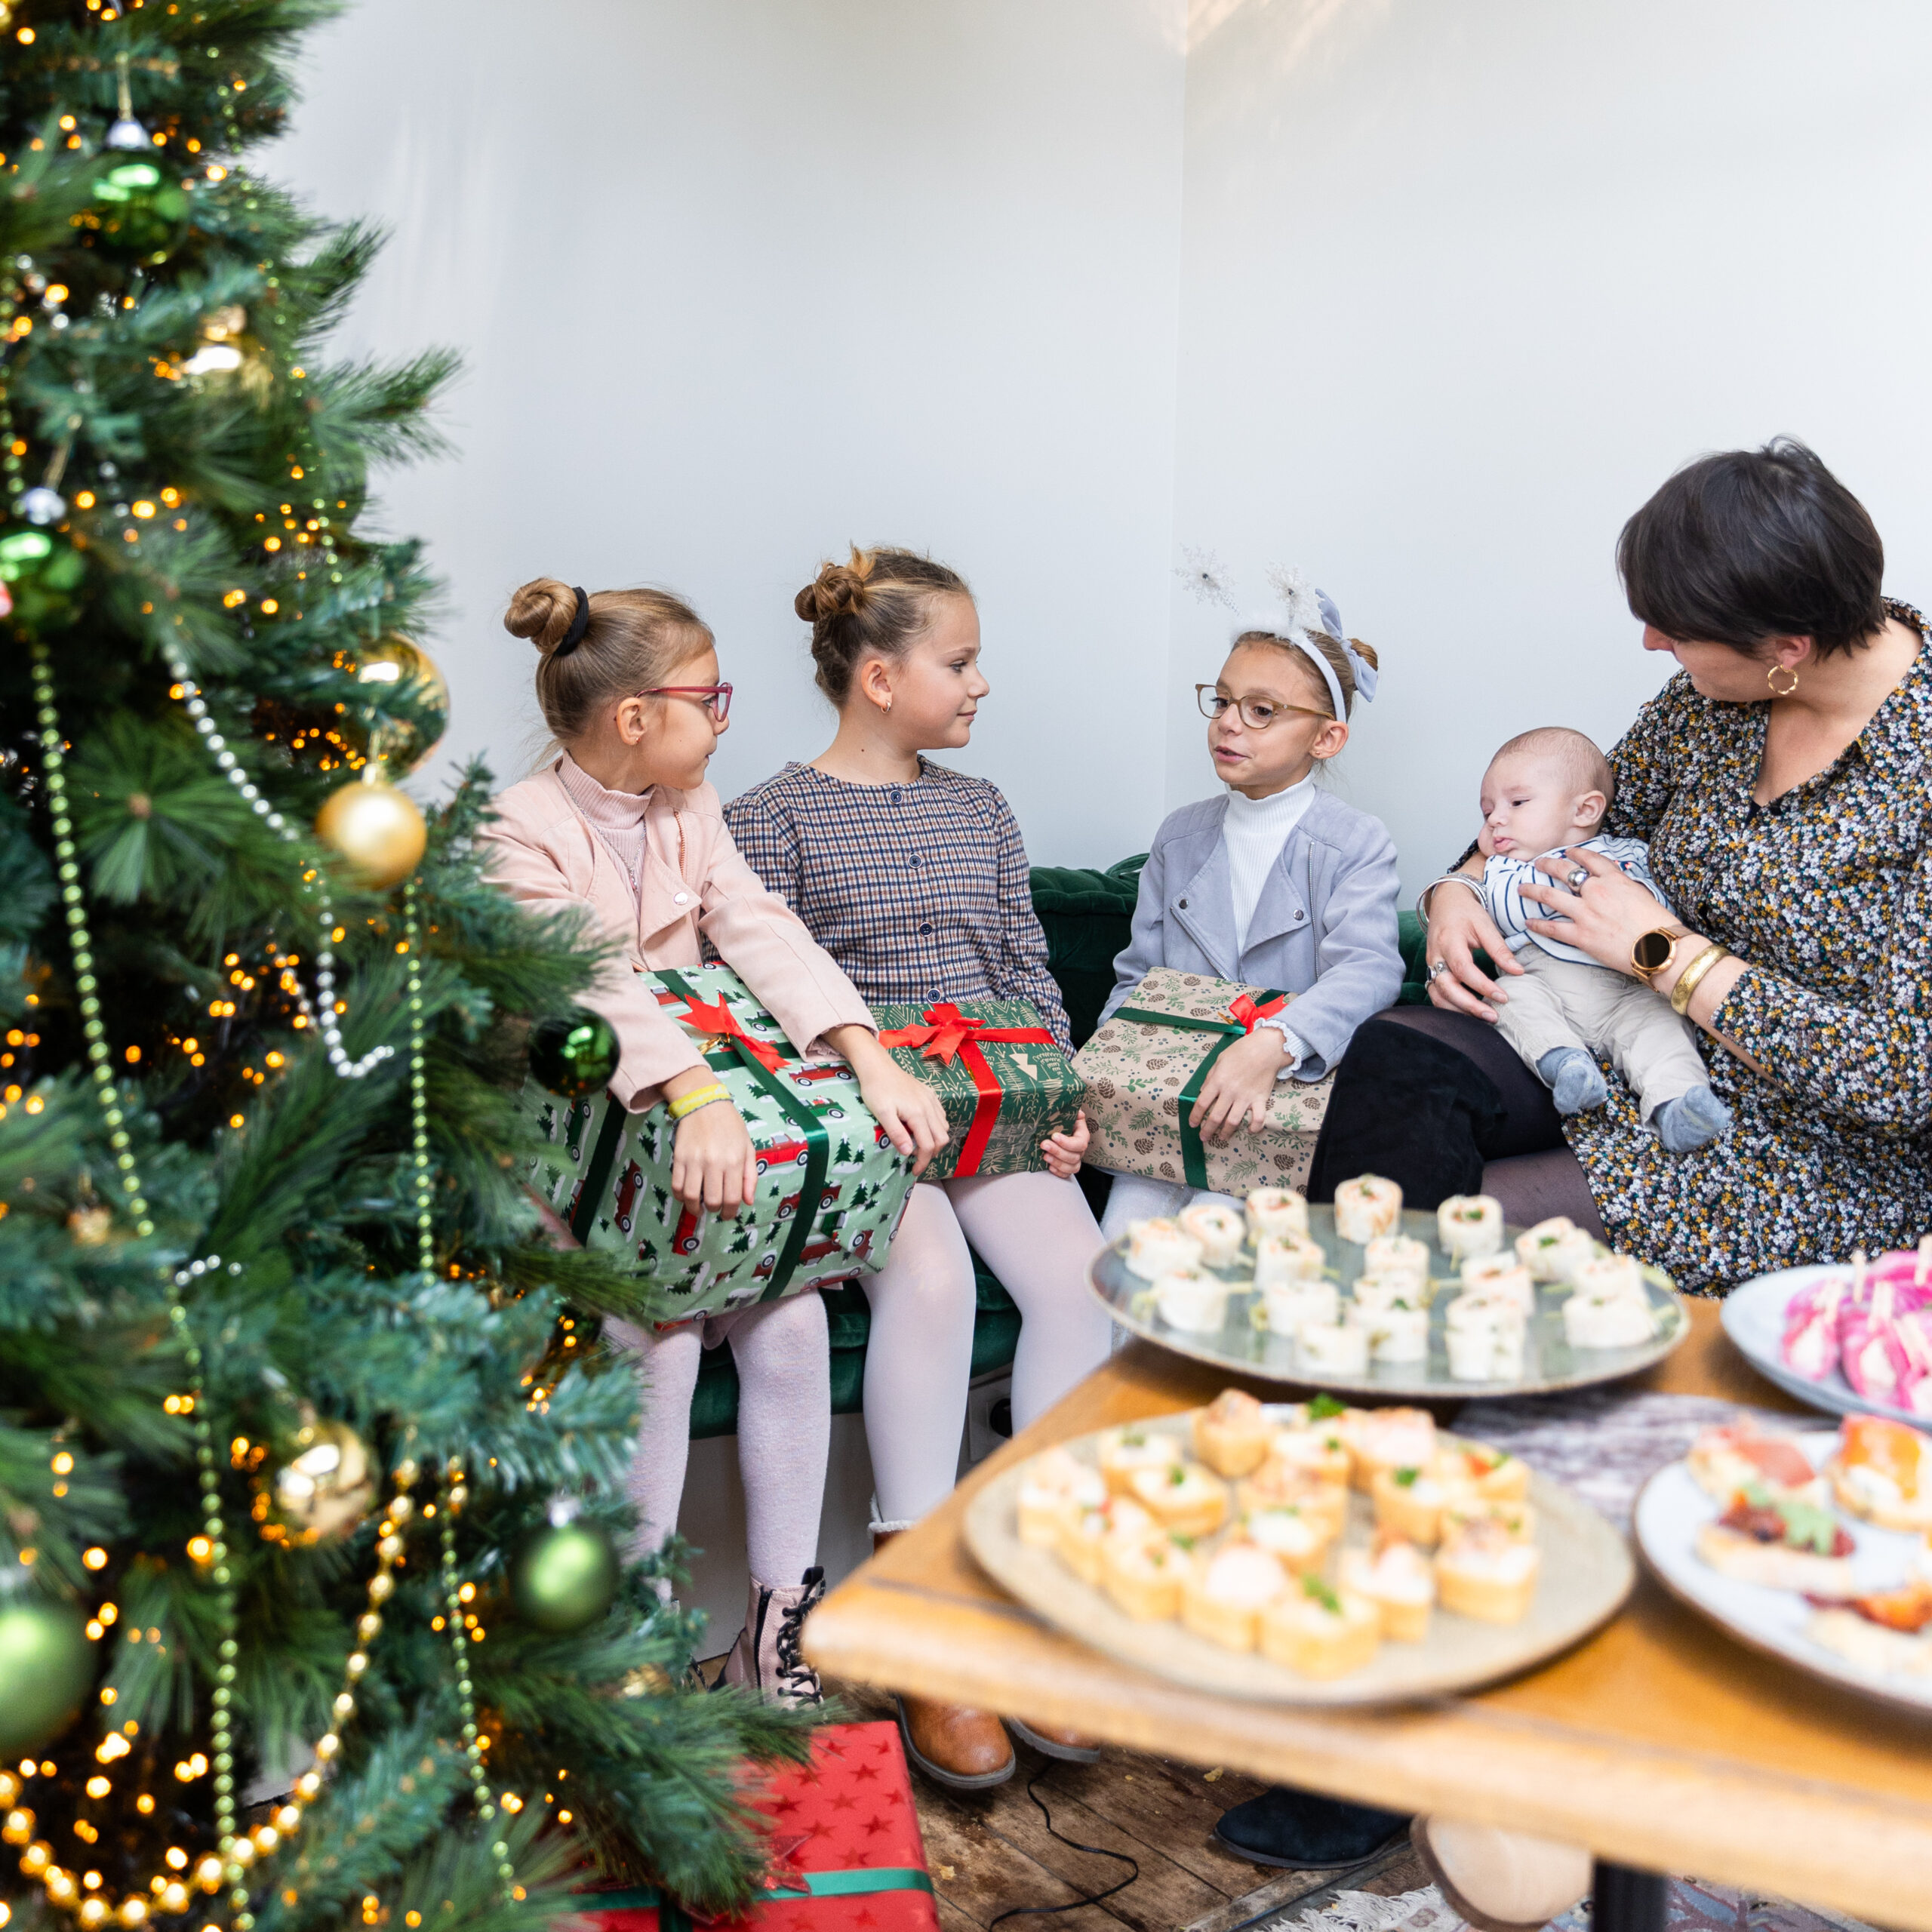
{"x": 1854, "y": 1337}
{"x": 1301, "y": 1552}
{"x": 1810, "y": 1545}
{"x": 1364, "y": 1299}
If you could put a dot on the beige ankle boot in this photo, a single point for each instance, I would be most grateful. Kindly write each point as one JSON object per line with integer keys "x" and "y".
{"x": 766, "y": 1655}
{"x": 1499, "y": 1881}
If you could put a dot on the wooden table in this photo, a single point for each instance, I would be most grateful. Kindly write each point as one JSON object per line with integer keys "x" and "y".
{"x": 1659, "y": 1743}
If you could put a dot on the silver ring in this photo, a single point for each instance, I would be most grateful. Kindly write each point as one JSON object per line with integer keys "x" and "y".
{"x": 1579, "y": 877}
{"x": 1437, "y": 967}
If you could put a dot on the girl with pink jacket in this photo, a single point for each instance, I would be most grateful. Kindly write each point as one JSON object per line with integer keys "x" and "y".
{"x": 622, "y": 825}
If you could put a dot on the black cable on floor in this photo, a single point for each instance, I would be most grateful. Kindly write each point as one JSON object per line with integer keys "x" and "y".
{"x": 1099, "y": 1851}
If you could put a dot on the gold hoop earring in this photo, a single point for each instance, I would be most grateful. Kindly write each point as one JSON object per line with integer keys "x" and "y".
{"x": 1771, "y": 678}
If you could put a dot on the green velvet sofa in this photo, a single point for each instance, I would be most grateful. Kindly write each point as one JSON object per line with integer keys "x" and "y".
{"x": 1086, "y": 915}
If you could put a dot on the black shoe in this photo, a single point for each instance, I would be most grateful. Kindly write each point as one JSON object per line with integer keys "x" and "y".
{"x": 1301, "y": 1831}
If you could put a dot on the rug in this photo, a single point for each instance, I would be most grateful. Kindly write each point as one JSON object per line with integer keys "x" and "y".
{"x": 1693, "y": 1906}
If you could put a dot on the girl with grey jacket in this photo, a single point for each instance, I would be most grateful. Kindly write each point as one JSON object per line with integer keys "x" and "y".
{"x": 1275, "y": 882}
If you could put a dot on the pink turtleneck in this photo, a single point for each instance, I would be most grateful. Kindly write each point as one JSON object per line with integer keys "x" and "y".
{"x": 616, "y": 817}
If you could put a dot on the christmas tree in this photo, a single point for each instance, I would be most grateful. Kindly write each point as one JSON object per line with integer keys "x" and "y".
{"x": 309, "y": 1462}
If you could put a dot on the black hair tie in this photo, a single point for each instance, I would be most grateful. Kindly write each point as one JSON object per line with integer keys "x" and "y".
{"x": 579, "y": 624}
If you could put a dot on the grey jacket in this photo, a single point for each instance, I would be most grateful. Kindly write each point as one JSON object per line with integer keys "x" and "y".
{"x": 1324, "y": 930}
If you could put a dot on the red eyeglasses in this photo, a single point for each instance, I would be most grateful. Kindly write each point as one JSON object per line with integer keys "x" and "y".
{"x": 716, "y": 698}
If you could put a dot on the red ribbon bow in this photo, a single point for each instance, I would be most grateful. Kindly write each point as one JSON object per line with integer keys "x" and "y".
{"x": 950, "y": 1034}
{"x": 1250, "y": 1015}
{"x": 720, "y": 1020}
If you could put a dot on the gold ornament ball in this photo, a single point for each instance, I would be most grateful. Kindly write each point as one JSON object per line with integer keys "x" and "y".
{"x": 376, "y": 828}
{"x": 392, "y": 661}
{"x": 325, "y": 1488}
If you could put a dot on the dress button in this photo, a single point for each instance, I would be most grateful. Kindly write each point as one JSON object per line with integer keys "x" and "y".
{"x": 895, "y": 794}
{"x": 926, "y": 929}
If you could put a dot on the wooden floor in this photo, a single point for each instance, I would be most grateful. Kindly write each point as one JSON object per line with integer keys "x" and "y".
{"x": 990, "y": 1851}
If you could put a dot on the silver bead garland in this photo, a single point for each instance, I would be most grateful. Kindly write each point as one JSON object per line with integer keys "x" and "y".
{"x": 322, "y": 1015}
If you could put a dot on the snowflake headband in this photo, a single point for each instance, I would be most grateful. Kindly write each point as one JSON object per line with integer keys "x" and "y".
{"x": 1292, "y": 611}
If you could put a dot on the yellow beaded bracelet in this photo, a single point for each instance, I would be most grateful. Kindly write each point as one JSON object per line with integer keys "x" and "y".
{"x": 700, "y": 1096}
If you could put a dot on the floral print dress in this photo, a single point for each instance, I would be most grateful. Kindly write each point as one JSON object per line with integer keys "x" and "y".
{"x": 1826, "y": 893}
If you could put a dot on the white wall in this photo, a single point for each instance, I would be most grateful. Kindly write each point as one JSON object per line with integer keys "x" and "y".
{"x": 738, "y": 283}
{"x": 1462, "y": 284}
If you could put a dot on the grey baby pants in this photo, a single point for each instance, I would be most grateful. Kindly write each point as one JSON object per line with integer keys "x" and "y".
{"x": 1565, "y": 1003}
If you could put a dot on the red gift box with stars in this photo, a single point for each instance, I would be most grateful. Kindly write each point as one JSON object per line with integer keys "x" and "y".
{"x": 845, "y": 1850}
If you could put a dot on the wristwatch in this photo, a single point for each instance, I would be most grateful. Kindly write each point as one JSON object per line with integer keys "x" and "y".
{"x": 1651, "y": 953}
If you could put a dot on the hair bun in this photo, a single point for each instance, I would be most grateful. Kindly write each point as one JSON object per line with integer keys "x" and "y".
{"x": 542, "y": 610}
{"x": 838, "y": 591}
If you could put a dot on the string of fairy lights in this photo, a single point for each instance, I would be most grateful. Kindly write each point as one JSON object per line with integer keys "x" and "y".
{"x": 171, "y": 1890}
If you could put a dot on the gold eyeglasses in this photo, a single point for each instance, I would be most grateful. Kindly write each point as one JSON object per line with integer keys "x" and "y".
{"x": 1256, "y": 713}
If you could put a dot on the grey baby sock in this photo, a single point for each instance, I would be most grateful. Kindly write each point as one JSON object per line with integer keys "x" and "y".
{"x": 1574, "y": 1080}
{"x": 1691, "y": 1120}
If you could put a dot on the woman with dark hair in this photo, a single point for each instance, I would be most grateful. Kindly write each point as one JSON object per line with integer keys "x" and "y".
{"x": 1779, "y": 780}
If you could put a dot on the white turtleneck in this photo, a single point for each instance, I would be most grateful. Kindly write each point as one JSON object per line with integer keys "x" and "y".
{"x": 1255, "y": 830}
{"x": 616, "y": 817}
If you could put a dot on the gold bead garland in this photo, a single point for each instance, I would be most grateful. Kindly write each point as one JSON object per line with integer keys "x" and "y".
{"x": 235, "y": 1851}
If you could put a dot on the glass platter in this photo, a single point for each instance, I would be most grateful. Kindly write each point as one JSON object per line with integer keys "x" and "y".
{"x": 1549, "y": 1362}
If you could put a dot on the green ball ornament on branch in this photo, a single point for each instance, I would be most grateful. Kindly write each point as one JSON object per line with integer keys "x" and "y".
{"x": 46, "y": 1665}
{"x": 564, "y": 1578}
{"x": 574, "y": 1054}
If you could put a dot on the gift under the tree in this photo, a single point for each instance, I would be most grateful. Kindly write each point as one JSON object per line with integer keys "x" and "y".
{"x": 1145, "y": 1068}
{"x": 831, "y": 1186}
{"x": 1004, "y": 1085}
{"x": 845, "y": 1849}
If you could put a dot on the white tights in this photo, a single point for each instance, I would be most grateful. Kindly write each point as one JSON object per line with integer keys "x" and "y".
{"x": 784, "y": 1427}
{"x": 1135, "y": 1198}
{"x": 1037, "y": 1234}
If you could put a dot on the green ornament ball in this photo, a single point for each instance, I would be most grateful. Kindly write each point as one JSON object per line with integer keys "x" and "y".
{"x": 46, "y": 1665}
{"x": 564, "y": 1578}
{"x": 574, "y": 1054}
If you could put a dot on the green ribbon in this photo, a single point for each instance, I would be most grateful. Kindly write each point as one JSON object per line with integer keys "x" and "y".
{"x": 597, "y": 1176}
{"x": 1193, "y": 1155}
{"x": 853, "y": 1884}
{"x": 811, "y": 1129}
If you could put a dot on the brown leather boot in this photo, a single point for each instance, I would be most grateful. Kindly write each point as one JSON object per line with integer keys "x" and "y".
{"x": 1071, "y": 1747}
{"x": 955, "y": 1746}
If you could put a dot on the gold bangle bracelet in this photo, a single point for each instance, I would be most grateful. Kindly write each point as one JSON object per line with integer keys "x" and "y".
{"x": 1692, "y": 976}
{"x": 699, "y": 1096}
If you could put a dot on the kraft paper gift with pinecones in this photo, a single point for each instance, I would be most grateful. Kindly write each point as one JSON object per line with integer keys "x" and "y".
{"x": 1144, "y": 1070}
{"x": 830, "y": 1185}
{"x": 1004, "y": 1085}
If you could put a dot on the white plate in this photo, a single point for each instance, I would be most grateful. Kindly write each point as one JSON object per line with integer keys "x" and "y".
{"x": 1550, "y": 1363}
{"x": 1670, "y": 1511}
{"x": 1753, "y": 1317}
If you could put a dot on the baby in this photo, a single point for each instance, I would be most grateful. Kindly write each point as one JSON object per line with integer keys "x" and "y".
{"x": 1545, "y": 791}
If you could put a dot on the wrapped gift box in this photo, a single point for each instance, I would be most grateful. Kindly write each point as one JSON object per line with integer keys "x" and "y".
{"x": 845, "y": 1850}
{"x": 831, "y": 1186}
{"x": 1144, "y": 1069}
{"x": 1004, "y": 1084}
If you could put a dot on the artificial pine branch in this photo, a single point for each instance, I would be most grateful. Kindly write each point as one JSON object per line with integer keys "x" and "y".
{"x": 213, "y": 517}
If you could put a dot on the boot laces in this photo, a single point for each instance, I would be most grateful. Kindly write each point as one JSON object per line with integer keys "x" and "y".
{"x": 796, "y": 1678}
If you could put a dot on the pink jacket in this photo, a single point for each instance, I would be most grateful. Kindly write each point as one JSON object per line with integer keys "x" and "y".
{"x": 542, "y": 852}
